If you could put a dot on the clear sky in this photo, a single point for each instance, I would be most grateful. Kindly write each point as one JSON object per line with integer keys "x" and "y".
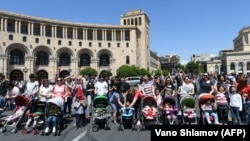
{"x": 182, "y": 27}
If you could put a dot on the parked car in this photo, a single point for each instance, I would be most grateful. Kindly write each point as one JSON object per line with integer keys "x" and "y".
{"x": 133, "y": 81}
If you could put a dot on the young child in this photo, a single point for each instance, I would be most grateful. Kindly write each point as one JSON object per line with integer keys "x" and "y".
{"x": 54, "y": 111}
{"x": 209, "y": 110}
{"x": 79, "y": 111}
{"x": 170, "y": 111}
{"x": 246, "y": 105}
{"x": 36, "y": 115}
{"x": 222, "y": 104}
{"x": 150, "y": 111}
{"x": 235, "y": 105}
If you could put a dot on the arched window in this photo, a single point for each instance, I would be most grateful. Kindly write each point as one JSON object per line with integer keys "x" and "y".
{"x": 64, "y": 59}
{"x": 42, "y": 74}
{"x": 240, "y": 67}
{"x": 104, "y": 60}
{"x": 42, "y": 58}
{"x": 232, "y": 67}
{"x": 16, "y": 57}
{"x": 84, "y": 60}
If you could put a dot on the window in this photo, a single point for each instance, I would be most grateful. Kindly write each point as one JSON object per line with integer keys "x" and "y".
{"x": 70, "y": 35}
{"x": 139, "y": 20}
{"x": 80, "y": 44}
{"x": 124, "y": 22}
{"x": 48, "y": 41}
{"x": 104, "y": 60}
{"x": 79, "y": 35}
{"x": 37, "y": 40}
{"x": 118, "y": 44}
{"x": 11, "y": 27}
{"x": 118, "y": 35}
{"x": 36, "y": 30}
{"x": 90, "y": 34}
{"x": 16, "y": 57}
{"x": 135, "y": 21}
{"x": 132, "y": 21}
{"x": 64, "y": 59}
{"x": 59, "y": 42}
{"x": 84, "y": 60}
{"x": 99, "y": 35}
{"x": 24, "y": 38}
{"x": 48, "y": 32}
{"x": 59, "y": 33}
{"x": 109, "y": 45}
{"x": 24, "y": 29}
{"x": 10, "y": 37}
{"x": 127, "y": 35}
{"x": 127, "y": 44}
{"x": 127, "y": 60}
{"x": 100, "y": 44}
{"x": 109, "y": 35}
{"x": 90, "y": 44}
{"x": 70, "y": 43}
{"x": 42, "y": 58}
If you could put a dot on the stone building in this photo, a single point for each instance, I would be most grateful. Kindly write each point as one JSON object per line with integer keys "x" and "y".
{"x": 48, "y": 47}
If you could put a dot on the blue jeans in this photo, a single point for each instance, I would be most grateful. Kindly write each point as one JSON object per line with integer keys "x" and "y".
{"x": 2, "y": 101}
{"x": 79, "y": 119}
{"x": 51, "y": 119}
{"x": 207, "y": 116}
{"x": 235, "y": 114}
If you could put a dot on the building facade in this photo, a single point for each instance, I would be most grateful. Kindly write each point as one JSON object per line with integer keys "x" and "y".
{"x": 169, "y": 62}
{"x": 49, "y": 47}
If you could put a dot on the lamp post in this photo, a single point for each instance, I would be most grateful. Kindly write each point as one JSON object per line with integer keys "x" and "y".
{"x": 25, "y": 70}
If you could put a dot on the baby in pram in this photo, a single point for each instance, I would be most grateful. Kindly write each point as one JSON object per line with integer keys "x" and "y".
{"x": 150, "y": 111}
{"x": 189, "y": 112}
{"x": 170, "y": 110}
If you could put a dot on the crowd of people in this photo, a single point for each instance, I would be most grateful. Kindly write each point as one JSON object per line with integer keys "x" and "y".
{"x": 231, "y": 95}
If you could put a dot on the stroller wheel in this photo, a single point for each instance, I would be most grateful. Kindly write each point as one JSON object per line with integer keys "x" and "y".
{"x": 95, "y": 128}
{"x": 42, "y": 133}
{"x": 1, "y": 130}
{"x": 13, "y": 131}
{"x": 120, "y": 128}
{"x": 24, "y": 132}
{"x": 34, "y": 132}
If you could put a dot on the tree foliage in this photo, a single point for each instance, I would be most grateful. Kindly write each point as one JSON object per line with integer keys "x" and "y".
{"x": 88, "y": 71}
{"x": 192, "y": 68}
{"x": 126, "y": 71}
{"x": 106, "y": 73}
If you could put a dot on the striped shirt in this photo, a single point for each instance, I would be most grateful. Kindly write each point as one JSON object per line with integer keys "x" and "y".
{"x": 148, "y": 88}
{"x": 221, "y": 99}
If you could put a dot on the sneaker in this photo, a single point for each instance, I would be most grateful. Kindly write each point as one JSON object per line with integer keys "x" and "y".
{"x": 138, "y": 123}
{"x": 115, "y": 122}
{"x": 74, "y": 124}
{"x": 54, "y": 130}
{"x": 46, "y": 130}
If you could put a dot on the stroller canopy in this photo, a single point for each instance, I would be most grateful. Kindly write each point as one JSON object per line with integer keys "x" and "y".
{"x": 187, "y": 101}
{"x": 49, "y": 107}
{"x": 149, "y": 100}
{"x": 204, "y": 97}
{"x": 22, "y": 101}
{"x": 100, "y": 101}
{"x": 170, "y": 99}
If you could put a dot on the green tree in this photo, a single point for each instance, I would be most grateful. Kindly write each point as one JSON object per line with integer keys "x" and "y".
{"x": 192, "y": 67}
{"x": 159, "y": 71}
{"x": 179, "y": 66}
{"x": 88, "y": 71}
{"x": 125, "y": 71}
{"x": 143, "y": 72}
{"x": 106, "y": 73}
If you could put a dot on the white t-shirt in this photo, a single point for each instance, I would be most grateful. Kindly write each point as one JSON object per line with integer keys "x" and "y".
{"x": 101, "y": 87}
{"x": 30, "y": 87}
{"x": 46, "y": 91}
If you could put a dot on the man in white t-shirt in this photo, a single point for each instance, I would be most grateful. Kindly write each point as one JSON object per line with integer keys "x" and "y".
{"x": 101, "y": 86}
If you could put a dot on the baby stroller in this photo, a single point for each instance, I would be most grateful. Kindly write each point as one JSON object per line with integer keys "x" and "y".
{"x": 170, "y": 116}
{"x": 188, "y": 111}
{"x": 51, "y": 106}
{"x": 13, "y": 121}
{"x": 202, "y": 100}
{"x": 127, "y": 118}
{"x": 149, "y": 112}
{"x": 37, "y": 116}
{"x": 100, "y": 113}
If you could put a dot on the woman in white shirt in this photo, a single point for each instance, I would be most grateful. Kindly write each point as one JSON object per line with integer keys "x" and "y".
{"x": 45, "y": 91}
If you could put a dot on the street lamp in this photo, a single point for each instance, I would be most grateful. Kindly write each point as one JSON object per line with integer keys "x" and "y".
{"x": 25, "y": 70}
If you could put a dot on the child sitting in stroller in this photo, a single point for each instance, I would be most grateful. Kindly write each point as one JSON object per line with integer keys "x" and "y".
{"x": 150, "y": 111}
{"x": 209, "y": 110}
{"x": 54, "y": 111}
{"x": 128, "y": 112}
{"x": 171, "y": 112}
